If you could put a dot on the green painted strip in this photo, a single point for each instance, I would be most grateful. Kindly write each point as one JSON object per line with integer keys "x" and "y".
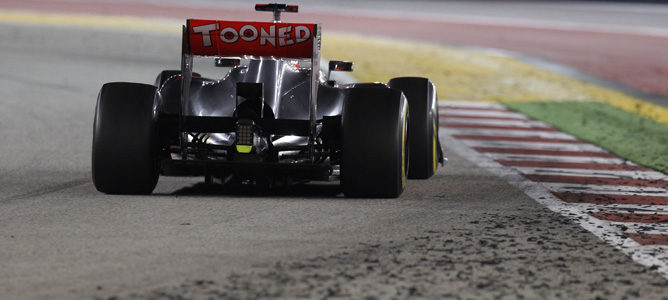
{"x": 631, "y": 136}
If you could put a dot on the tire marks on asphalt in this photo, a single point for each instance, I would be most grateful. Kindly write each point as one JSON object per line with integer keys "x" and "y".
{"x": 48, "y": 190}
{"x": 623, "y": 203}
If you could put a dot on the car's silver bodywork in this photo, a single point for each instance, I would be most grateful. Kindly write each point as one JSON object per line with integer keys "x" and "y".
{"x": 286, "y": 90}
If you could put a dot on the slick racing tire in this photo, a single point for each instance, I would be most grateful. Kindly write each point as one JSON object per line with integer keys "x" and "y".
{"x": 423, "y": 125}
{"x": 166, "y": 74}
{"x": 125, "y": 147}
{"x": 375, "y": 148}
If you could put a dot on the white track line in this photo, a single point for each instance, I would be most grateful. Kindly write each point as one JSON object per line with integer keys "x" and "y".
{"x": 659, "y": 251}
{"x": 647, "y": 175}
{"x": 534, "y": 145}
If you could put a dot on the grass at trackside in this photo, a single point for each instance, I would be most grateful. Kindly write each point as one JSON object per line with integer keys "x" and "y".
{"x": 626, "y": 134}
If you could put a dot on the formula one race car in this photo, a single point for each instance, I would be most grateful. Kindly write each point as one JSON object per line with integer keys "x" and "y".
{"x": 271, "y": 118}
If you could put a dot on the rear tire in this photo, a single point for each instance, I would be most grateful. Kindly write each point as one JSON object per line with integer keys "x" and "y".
{"x": 375, "y": 146}
{"x": 423, "y": 125}
{"x": 125, "y": 149}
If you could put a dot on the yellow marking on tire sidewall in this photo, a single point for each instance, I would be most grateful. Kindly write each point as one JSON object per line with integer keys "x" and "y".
{"x": 403, "y": 148}
{"x": 433, "y": 153}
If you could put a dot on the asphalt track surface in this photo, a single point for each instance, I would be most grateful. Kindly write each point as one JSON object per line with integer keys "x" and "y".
{"x": 465, "y": 233}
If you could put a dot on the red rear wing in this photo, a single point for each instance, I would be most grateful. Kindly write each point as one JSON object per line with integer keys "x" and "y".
{"x": 259, "y": 39}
